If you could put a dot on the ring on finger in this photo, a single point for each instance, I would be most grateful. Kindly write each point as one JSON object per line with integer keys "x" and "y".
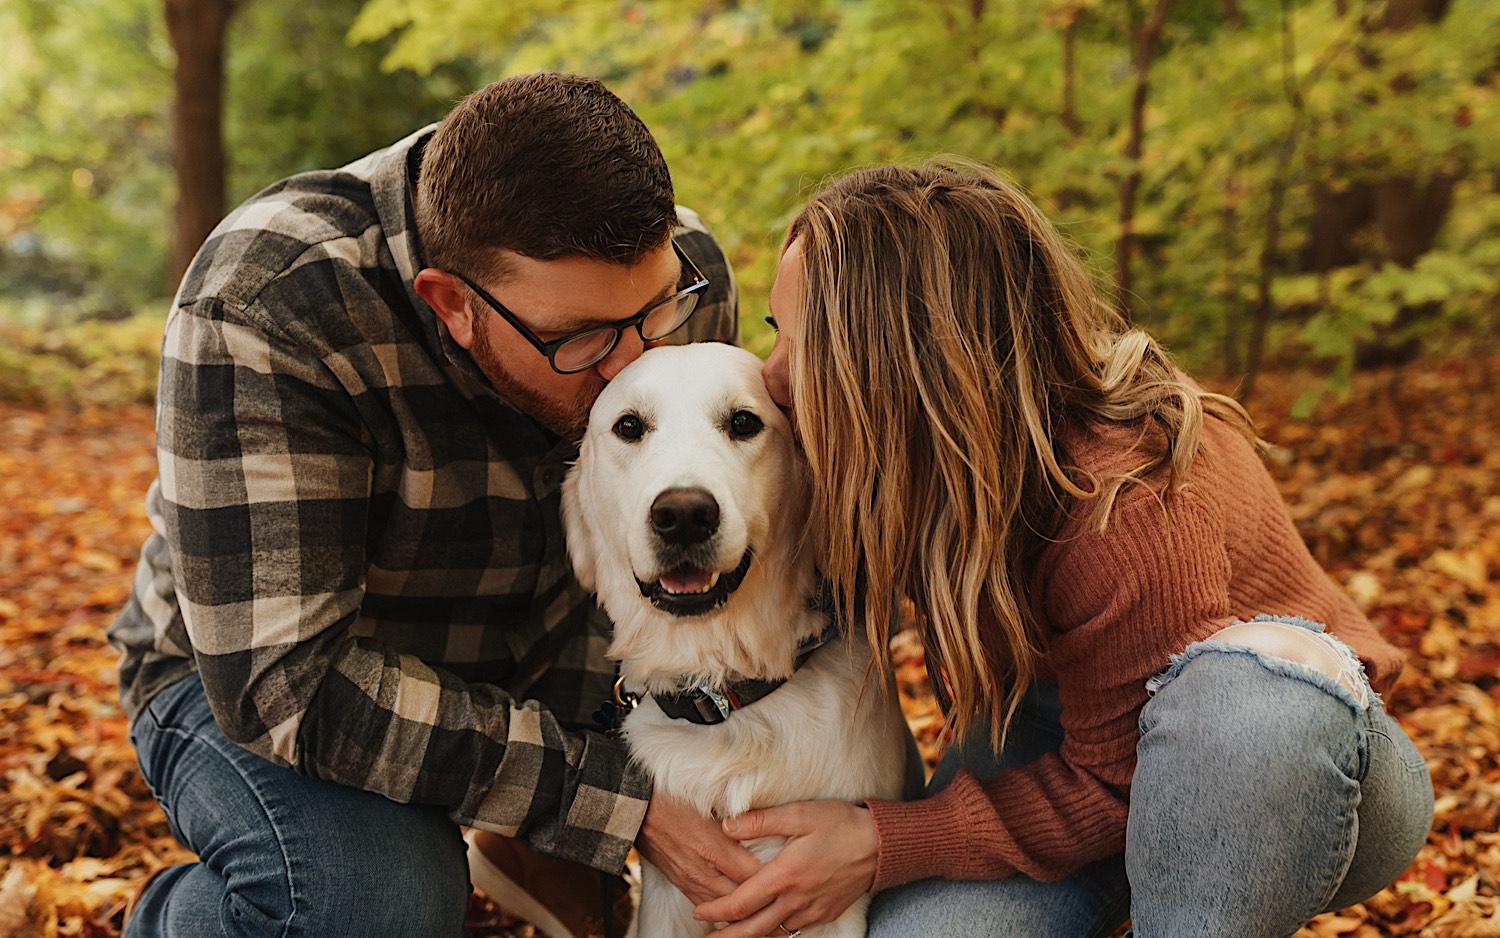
{"x": 790, "y": 934}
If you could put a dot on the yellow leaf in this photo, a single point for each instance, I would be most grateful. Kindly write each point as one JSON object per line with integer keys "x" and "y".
{"x": 98, "y": 560}
{"x": 1363, "y": 587}
{"x": 1468, "y": 568}
{"x": 1478, "y": 918}
{"x": 16, "y": 893}
{"x": 1419, "y": 476}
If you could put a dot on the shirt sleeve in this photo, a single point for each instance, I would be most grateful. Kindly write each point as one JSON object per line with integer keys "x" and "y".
{"x": 1119, "y": 605}
{"x": 266, "y": 475}
{"x": 717, "y": 317}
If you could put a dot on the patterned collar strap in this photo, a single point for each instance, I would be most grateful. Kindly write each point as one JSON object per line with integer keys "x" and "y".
{"x": 706, "y": 704}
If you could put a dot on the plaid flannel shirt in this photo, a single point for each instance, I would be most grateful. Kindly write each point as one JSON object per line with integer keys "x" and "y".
{"x": 357, "y": 542}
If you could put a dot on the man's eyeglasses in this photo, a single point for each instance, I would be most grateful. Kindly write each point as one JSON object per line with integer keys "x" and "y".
{"x": 578, "y": 350}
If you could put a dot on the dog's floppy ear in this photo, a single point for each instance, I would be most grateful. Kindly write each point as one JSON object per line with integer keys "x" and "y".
{"x": 577, "y": 530}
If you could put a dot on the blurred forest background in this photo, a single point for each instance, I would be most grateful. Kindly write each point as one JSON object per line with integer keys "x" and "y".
{"x": 1303, "y": 192}
{"x": 1263, "y": 182}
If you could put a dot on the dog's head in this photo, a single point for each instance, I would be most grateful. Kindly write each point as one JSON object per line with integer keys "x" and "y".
{"x": 688, "y": 491}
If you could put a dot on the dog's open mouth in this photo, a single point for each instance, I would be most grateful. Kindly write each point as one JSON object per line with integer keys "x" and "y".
{"x": 693, "y": 591}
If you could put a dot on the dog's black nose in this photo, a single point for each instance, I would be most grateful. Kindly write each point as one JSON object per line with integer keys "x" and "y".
{"x": 685, "y": 516}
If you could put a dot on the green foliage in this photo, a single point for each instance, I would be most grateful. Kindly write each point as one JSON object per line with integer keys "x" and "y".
{"x": 93, "y": 363}
{"x": 86, "y": 182}
{"x": 303, "y": 97}
{"x": 756, "y": 104}
{"x": 85, "y": 156}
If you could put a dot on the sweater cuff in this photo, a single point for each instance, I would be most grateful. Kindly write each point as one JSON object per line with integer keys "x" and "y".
{"x": 932, "y": 837}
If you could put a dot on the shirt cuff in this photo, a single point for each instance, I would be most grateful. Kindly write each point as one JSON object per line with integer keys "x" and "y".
{"x": 920, "y": 839}
{"x": 608, "y": 808}
{"x": 599, "y": 815}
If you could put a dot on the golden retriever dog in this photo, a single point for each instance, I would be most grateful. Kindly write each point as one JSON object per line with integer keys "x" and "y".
{"x": 686, "y": 512}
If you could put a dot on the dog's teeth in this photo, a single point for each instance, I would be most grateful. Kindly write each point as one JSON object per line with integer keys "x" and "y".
{"x": 689, "y": 584}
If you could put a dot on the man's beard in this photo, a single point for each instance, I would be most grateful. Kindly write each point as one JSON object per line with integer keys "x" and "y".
{"x": 566, "y": 419}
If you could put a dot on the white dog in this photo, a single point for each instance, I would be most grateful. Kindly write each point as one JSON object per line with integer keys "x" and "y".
{"x": 686, "y": 513}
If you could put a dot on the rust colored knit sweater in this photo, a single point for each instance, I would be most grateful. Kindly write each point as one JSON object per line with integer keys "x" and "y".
{"x": 1117, "y": 606}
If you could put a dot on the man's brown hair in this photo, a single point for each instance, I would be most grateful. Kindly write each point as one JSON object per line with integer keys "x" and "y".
{"x": 547, "y": 165}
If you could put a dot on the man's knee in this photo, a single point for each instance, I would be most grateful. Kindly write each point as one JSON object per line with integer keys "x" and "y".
{"x": 355, "y": 864}
{"x": 410, "y": 902}
{"x": 411, "y": 881}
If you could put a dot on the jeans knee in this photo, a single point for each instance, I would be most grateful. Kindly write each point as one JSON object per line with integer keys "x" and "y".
{"x": 1301, "y": 645}
{"x": 1287, "y": 650}
{"x": 1232, "y": 706}
{"x": 411, "y": 894}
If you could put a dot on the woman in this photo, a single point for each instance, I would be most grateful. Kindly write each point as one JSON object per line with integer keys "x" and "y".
{"x": 1165, "y": 709}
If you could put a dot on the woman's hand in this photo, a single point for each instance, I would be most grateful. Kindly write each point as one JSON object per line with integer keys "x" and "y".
{"x": 692, "y": 851}
{"x": 827, "y": 863}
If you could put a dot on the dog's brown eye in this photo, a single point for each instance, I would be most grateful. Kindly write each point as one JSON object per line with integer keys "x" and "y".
{"x": 743, "y": 424}
{"x": 629, "y": 427}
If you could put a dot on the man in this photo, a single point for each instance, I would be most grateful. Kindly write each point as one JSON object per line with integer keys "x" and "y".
{"x": 354, "y": 628}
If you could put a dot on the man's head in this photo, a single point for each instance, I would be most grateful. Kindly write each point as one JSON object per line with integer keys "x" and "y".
{"x": 545, "y": 166}
{"x": 548, "y": 193}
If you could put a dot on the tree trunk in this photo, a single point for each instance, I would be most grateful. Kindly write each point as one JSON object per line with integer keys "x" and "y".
{"x": 1145, "y": 42}
{"x": 1270, "y": 251}
{"x": 1338, "y": 216}
{"x": 1409, "y": 212}
{"x": 1230, "y": 218}
{"x": 1404, "y": 213}
{"x": 196, "y": 29}
{"x": 1404, "y": 14}
{"x": 1069, "y": 116}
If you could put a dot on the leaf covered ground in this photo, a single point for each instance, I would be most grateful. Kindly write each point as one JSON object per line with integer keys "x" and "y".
{"x": 1396, "y": 489}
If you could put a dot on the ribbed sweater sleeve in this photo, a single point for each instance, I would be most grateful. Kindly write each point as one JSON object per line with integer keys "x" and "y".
{"x": 1118, "y": 605}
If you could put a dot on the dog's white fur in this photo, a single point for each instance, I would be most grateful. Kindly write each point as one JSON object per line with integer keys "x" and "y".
{"x": 822, "y": 735}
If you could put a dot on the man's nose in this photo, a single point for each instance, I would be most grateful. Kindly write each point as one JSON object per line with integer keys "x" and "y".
{"x": 627, "y": 350}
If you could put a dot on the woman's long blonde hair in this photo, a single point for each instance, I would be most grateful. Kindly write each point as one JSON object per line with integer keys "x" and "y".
{"x": 947, "y": 335}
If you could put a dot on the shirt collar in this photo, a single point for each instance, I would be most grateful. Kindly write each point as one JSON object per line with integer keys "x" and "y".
{"x": 393, "y": 179}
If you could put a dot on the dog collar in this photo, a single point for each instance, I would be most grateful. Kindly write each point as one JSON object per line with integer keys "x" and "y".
{"x": 707, "y": 705}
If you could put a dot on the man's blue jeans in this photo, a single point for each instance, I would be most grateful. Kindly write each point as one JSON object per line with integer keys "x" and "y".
{"x": 282, "y": 854}
{"x": 1265, "y": 793}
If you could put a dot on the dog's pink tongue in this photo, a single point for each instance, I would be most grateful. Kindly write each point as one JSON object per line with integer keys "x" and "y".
{"x": 687, "y": 581}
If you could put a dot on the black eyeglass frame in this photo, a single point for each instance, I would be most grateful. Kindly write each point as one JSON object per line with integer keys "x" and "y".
{"x": 550, "y": 348}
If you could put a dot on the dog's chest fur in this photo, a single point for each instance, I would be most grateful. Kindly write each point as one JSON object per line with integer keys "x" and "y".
{"x": 688, "y": 472}
{"x": 809, "y": 739}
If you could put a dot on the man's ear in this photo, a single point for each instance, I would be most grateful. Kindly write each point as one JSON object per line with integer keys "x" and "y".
{"x": 447, "y": 298}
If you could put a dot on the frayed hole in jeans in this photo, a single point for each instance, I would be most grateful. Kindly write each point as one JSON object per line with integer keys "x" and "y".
{"x": 1317, "y": 650}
